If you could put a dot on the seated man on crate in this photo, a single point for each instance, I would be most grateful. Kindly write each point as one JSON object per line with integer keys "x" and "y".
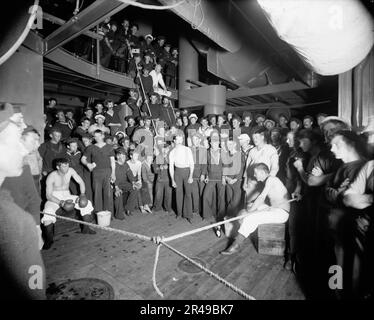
{"x": 273, "y": 192}
{"x": 58, "y": 195}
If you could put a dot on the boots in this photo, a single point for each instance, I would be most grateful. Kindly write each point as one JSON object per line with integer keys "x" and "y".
{"x": 87, "y": 229}
{"x": 48, "y": 236}
{"x": 235, "y": 246}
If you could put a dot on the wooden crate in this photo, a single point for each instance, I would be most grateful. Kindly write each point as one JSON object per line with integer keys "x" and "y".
{"x": 271, "y": 239}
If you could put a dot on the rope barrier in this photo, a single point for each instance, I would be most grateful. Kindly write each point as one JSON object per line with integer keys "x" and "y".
{"x": 154, "y": 271}
{"x": 188, "y": 233}
{"x": 162, "y": 241}
{"x": 158, "y": 241}
{"x": 209, "y": 272}
{"x": 123, "y": 232}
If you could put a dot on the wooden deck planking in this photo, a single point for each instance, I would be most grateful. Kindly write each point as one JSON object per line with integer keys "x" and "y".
{"x": 127, "y": 263}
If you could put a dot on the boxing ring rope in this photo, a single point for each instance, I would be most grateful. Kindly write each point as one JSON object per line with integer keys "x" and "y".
{"x": 159, "y": 241}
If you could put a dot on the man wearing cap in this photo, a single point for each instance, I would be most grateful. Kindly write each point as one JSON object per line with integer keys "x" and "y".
{"x": 269, "y": 124}
{"x": 181, "y": 168}
{"x": 99, "y": 125}
{"x": 245, "y": 145}
{"x": 147, "y": 47}
{"x": 19, "y": 242}
{"x": 99, "y": 159}
{"x": 192, "y": 128}
{"x": 200, "y": 159}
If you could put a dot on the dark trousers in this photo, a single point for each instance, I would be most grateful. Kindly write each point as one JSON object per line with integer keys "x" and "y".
{"x": 37, "y": 183}
{"x": 293, "y": 228}
{"x": 133, "y": 200}
{"x": 146, "y": 193}
{"x": 163, "y": 196}
{"x": 103, "y": 195}
{"x": 234, "y": 197}
{"x": 197, "y": 192}
{"x": 214, "y": 197}
{"x": 183, "y": 192}
{"x": 118, "y": 205}
{"x": 87, "y": 179}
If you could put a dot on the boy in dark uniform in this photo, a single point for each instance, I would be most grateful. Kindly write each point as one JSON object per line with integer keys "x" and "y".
{"x": 163, "y": 189}
{"x": 74, "y": 156}
{"x": 200, "y": 159}
{"x": 214, "y": 191}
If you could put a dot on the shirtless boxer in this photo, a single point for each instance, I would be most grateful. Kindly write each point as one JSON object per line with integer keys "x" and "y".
{"x": 276, "y": 193}
{"x": 58, "y": 195}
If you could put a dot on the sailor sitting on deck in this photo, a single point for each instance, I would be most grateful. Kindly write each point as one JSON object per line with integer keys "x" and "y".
{"x": 58, "y": 195}
{"x": 276, "y": 193}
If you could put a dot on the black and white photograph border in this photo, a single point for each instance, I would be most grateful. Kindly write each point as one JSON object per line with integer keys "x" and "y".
{"x": 187, "y": 154}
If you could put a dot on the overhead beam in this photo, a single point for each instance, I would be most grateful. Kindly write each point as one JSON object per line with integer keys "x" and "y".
{"x": 197, "y": 83}
{"x": 264, "y": 106}
{"x": 69, "y": 61}
{"x": 34, "y": 42}
{"x": 206, "y": 17}
{"x": 275, "y": 88}
{"x": 60, "y": 22}
{"x": 77, "y": 92}
{"x": 85, "y": 20}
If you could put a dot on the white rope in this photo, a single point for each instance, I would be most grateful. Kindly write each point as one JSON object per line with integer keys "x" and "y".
{"x": 211, "y": 273}
{"x": 123, "y": 232}
{"x": 159, "y": 241}
{"x": 188, "y": 233}
{"x": 14, "y": 47}
{"x": 150, "y": 6}
{"x": 195, "y": 5}
{"x": 154, "y": 272}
